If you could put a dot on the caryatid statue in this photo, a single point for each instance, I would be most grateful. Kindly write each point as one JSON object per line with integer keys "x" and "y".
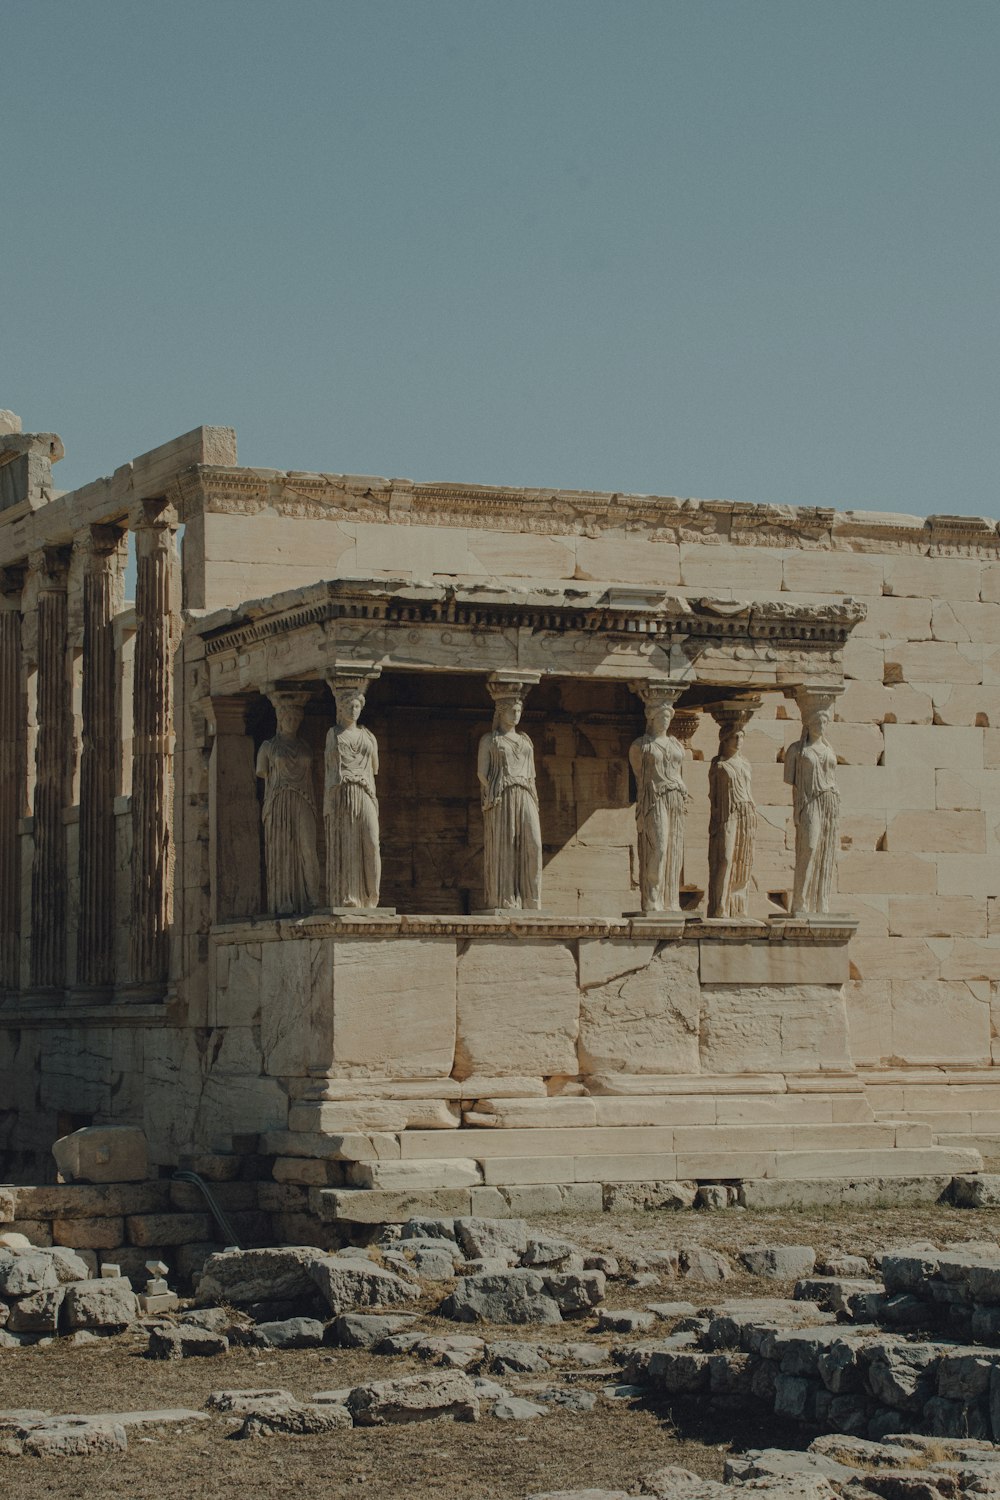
{"x": 284, "y": 763}
{"x": 512, "y": 836}
{"x": 732, "y": 825}
{"x": 657, "y": 758}
{"x": 350, "y": 803}
{"x": 810, "y": 770}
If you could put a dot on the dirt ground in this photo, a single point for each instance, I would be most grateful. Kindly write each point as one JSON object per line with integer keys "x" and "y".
{"x": 611, "y": 1446}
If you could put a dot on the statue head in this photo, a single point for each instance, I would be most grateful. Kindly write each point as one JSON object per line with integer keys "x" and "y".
{"x": 350, "y": 702}
{"x": 730, "y": 743}
{"x": 659, "y": 717}
{"x": 507, "y": 714}
{"x": 288, "y": 709}
{"x": 817, "y": 722}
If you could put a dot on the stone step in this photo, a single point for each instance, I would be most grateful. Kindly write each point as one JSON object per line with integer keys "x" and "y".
{"x": 628, "y": 1141}
{"x": 779, "y": 1175}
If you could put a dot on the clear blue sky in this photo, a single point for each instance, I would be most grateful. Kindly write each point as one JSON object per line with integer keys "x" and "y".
{"x": 725, "y": 248}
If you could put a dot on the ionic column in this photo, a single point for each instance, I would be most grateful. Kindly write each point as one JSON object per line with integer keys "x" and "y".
{"x": 234, "y": 815}
{"x": 13, "y": 746}
{"x": 53, "y": 765}
{"x": 100, "y": 754}
{"x": 152, "y": 766}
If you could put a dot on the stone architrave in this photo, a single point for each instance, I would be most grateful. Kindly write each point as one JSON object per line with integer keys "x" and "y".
{"x": 350, "y": 801}
{"x": 53, "y": 752}
{"x": 810, "y": 770}
{"x": 732, "y": 824}
{"x": 103, "y": 579}
{"x": 13, "y": 771}
{"x": 284, "y": 763}
{"x": 512, "y": 837}
{"x": 157, "y": 626}
{"x": 656, "y": 758}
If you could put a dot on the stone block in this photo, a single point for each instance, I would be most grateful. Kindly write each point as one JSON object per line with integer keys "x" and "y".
{"x": 919, "y": 576}
{"x": 768, "y": 963}
{"x": 509, "y": 1114}
{"x": 655, "y": 1110}
{"x": 937, "y": 832}
{"x": 89, "y": 1234}
{"x": 7, "y": 1202}
{"x": 103, "y": 1153}
{"x": 518, "y": 1008}
{"x": 947, "y": 746}
{"x": 651, "y": 1167}
{"x": 937, "y": 916}
{"x": 620, "y": 558}
{"x": 309, "y": 1172}
{"x": 528, "y": 1169}
{"x": 409, "y": 1176}
{"x": 746, "y": 1028}
{"x": 168, "y": 1229}
{"x": 37, "y": 1313}
{"x": 644, "y": 1021}
{"x": 939, "y": 1022}
{"x": 394, "y": 1005}
{"x": 383, "y": 1206}
{"x": 967, "y": 875}
{"x": 372, "y": 1146}
{"x": 100, "y": 1304}
{"x": 883, "y": 873}
{"x": 842, "y": 573}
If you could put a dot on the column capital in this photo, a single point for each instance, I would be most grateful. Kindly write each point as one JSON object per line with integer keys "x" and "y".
{"x": 815, "y": 698}
{"x": 153, "y": 516}
{"x": 657, "y": 692}
{"x": 734, "y": 713}
{"x": 229, "y": 714}
{"x": 503, "y": 686}
{"x": 12, "y": 584}
{"x": 351, "y": 676}
{"x": 684, "y": 724}
{"x": 51, "y": 564}
{"x": 99, "y": 541}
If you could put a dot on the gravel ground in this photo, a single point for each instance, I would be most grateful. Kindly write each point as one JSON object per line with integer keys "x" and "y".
{"x": 490, "y": 1460}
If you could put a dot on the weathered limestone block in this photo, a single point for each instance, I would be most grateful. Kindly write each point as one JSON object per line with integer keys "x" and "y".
{"x": 755, "y": 1027}
{"x": 518, "y": 1008}
{"x": 89, "y": 1234}
{"x": 102, "y": 1153}
{"x": 646, "y": 1021}
{"x": 453, "y": 1172}
{"x": 939, "y": 1021}
{"x": 394, "y": 1005}
{"x": 296, "y": 1005}
{"x": 109, "y": 1303}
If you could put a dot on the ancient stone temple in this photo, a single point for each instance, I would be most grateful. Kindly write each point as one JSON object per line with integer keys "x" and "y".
{"x": 470, "y": 838}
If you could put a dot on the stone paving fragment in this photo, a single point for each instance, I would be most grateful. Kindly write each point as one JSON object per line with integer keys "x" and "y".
{"x": 291, "y": 1333}
{"x": 624, "y": 1320}
{"x": 516, "y": 1409}
{"x": 779, "y": 1262}
{"x": 365, "y": 1330}
{"x": 185, "y": 1343}
{"x": 72, "y": 1437}
{"x": 100, "y": 1304}
{"x": 297, "y": 1418}
{"x": 418, "y": 1398}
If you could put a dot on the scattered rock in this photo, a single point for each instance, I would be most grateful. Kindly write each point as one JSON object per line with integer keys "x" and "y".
{"x": 244, "y": 1401}
{"x": 516, "y": 1409}
{"x": 72, "y": 1437}
{"x": 292, "y": 1333}
{"x": 108, "y": 1303}
{"x": 25, "y": 1271}
{"x": 507, "y": 1297}
{"x": 510, "y": 1357}
{"x": 180, "y": 1342}
{"x": 714, "y": 1195}
{"x": 346, "y": 1285}
{"x": 418, "y": 1398}
{"x": 624, "y": 1320}
{"x": 365, "y": 1330}
{"x": 490, "y": 1238}
{"x": 779, "y": 1262}
{"x": 299, "y": 1418}
{"x": 697, "y": 1263}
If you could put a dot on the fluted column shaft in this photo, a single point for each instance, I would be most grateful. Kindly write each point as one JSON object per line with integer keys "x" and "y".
{"x": 152, "y": 766}
{"x": 99, "y": 757}
{"x": 53, "y": 756}
{"x": 13, "y": 741}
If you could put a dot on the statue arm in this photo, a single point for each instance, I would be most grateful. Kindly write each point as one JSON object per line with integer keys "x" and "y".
{"x": 791, "y": 764}
{"x": 635, "y": 757}
{"x": 374, "y": 744}
{"x": 263, "y": 760}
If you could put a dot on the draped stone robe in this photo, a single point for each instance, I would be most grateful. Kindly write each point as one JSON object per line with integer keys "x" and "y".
{"x": 512, "y": 837}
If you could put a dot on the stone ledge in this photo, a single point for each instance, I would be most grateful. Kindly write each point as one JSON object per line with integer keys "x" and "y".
{"x": 835, "y": 930}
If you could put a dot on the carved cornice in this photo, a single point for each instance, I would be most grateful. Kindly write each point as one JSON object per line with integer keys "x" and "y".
{"x": 578, "y": 512}
{"x": 563, "y": 610}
